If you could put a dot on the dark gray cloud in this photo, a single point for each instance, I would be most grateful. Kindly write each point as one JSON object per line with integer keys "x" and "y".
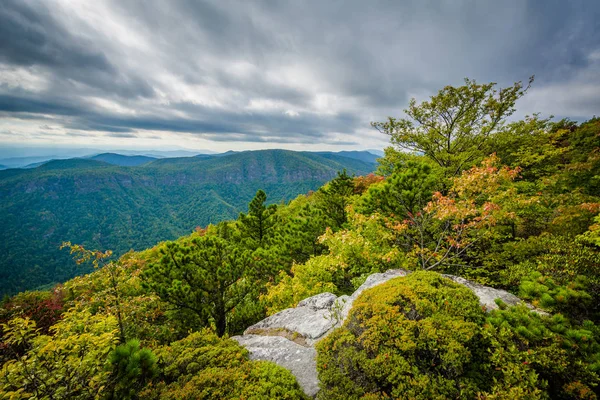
{"x": 31, "y": 35}
{"x": 281, "y": 72}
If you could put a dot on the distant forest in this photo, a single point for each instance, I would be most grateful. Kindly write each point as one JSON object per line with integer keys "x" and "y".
{"x": 105, "y": 206}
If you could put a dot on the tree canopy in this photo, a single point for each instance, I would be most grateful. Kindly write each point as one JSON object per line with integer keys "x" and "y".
{"x": 454, "y": 126}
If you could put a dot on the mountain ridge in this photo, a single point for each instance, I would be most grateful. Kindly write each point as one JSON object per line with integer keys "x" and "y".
{"x": 107, "y": 206}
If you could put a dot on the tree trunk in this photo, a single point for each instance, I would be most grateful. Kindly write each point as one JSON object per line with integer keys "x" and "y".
{"x": 220, "y": 320}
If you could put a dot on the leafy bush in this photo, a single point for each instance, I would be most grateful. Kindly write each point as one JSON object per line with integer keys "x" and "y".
{"x": 413, "y": 337}
{"x": 425, "y": 337}
{"x": 354, "y": 253}
{"x": 204, "y": 366}
{"x": 44, "y": 307}
{"x": 70, "y": 364}
{"x": 532, "y": 356}
{"x": 261, "y": 380}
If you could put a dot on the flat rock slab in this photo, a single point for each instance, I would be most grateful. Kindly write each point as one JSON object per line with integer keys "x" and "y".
{"x": 311, "y": 318}
{"x": 300, "y": 360}
{"x": 322, "y": 301}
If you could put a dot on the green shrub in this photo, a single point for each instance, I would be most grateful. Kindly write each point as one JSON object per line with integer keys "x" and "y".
{"x": 425, "y": 337}
{"x": 412, "y": 337}
{"x": 259, "y": 380}
{"x": 133, "y": 367}
{"x": 204, "y": 366}
{"x": 534, "y": 356}
{"x": 571, "y": 299}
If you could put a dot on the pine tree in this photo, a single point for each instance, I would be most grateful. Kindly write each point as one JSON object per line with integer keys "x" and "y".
{"x": 133, "y": 367}
{"x": 335, "y": 197}
{"x": 208, "y": 276}
{"x": 301, "y": 234}
{"x": 257, "y": 225}
{"x": 405, "y": 192}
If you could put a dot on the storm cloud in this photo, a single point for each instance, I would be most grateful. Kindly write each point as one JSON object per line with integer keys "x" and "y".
{"x": 251, "y": 74}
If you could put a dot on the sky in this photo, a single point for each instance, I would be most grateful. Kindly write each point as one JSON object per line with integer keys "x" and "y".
{"x": 301, "y": 75}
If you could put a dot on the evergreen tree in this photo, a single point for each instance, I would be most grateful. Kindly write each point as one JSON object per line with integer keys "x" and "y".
{"x": 257, "y": 225}
{"x": 208, "y": 276}
{"x": 405, "y": 192}
{"x": 133, "y": 367}
{"x": 301, "y": 234}
{"x": 334, "y": 197}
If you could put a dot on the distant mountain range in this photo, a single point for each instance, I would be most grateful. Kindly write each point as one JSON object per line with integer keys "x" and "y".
{"x": 119, "y": 202}
{"x": 134, "y": 158}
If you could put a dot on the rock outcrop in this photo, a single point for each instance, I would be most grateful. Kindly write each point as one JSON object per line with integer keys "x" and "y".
{"x": 300, "y": 360}
{"x": 288, "y": 337}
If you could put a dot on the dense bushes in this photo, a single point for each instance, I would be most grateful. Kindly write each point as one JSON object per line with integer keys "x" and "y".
{"x": 533, "y": 356}
{"x": 413, "y": 337}
{"x": 203, "y": 366}
{"x": 426, "y": 337}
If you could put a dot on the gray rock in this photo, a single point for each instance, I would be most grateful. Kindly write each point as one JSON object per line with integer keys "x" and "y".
{"x": 486, "y": 294}
{"x": 300, "y": 360}
{"x": 287, "y": 338}
{"x": 319, "y": 302}
{"x": 311, "y": 319}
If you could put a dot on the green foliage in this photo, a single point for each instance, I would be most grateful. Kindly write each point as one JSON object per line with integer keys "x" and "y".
{"x": 203, "y": 366}
{"x": 257, "y": 225}
{"x": 584, "y": 153}
{"x": 395, "y": 159}
{"x": 424, "y": 336}
{"x": 406, "y": 191}
{"x": 300, "y": 235}
{"x": 543, "y": 291}
{"x": 70, "y": 364}
{"x": 440, "y": 234}
{"x": 102, "y": 206}
{"x": 132, "y": 368}
{"x": 532, "y": 145}
{"x": 592, "y": 236}
{"x": 453, "y": 128}
{"x": 143, "y": 315}
{"x": 208, "y": 276}
{"x": 43, "y": 307}
{"x": 571, "y": 267}
{"x": 305, "y": 280}
{"x": 541, "y": 357}
{"x": 364, "y": 248}
{"x": 413, "y": 337}
{"x": 334, "y": 198}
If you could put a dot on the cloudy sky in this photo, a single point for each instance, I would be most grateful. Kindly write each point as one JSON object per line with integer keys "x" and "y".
{"x": 224, "y": 74}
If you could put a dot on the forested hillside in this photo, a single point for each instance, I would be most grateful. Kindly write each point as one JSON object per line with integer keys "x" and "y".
{"x": 100, "y": 205}
{"x": 461, "y": 190}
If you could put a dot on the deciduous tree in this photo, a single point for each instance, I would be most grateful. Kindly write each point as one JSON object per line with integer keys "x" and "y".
{"x": 454, "y": 126}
